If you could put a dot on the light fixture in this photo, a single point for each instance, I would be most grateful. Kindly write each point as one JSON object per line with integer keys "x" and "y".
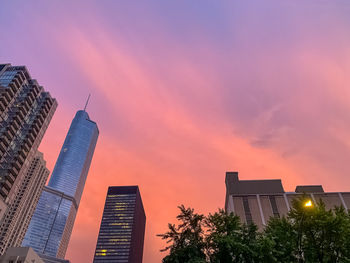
{"x": 308, "y": 203}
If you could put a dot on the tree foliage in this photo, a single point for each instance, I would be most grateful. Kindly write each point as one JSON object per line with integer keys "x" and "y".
{"x": 186, "y": 239}
{"x": 306, "y": 235}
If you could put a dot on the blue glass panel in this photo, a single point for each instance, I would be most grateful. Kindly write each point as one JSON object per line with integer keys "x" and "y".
{"x": 47, "y": 225}
{"x": 70, "y": 172}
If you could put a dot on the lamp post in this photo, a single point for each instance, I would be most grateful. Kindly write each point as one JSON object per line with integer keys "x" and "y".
{"x": 307, "y": 205}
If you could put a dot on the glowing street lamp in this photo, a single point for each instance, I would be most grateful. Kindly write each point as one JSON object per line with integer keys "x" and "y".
{"x": 308, "y": 203}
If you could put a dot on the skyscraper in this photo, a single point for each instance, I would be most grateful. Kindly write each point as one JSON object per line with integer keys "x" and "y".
{"x": 51, "y": 225}
{"x": 25, "y": 113}
{"x": 122, "y": 227}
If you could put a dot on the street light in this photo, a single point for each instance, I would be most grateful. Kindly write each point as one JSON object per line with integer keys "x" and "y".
{"x": 308, "y": 203}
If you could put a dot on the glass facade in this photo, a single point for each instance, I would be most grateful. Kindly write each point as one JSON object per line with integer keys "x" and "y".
{"x": 48, "y": 222}
{"x": 122, "y": 227}
{"x": 52, "y": 223}
{"x": 71, "y": 169}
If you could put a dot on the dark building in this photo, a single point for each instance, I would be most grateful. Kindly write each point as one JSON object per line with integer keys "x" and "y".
{"x": 25, "y": 113}
{"x": 255, "y": 201}
{"x": 51, "y": 226}
{"x": 122, "y": 227}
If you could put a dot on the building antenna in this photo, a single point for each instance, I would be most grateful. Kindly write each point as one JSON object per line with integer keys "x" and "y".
{"x": 87, "y": 101}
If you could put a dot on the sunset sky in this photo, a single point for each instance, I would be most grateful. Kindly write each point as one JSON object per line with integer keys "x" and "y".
{"x": 183, "y": 91}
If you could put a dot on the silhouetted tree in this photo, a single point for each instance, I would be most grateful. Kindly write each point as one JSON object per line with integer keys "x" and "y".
{"x": 307, "y": 234}
{"x": 186, "y": 239}
{"x": 230, "y": 241}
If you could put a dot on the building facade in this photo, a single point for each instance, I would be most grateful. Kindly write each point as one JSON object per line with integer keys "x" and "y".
{"x": 15, "y": 224}
{"x": 20, "y": 254}
{"x": 122, "y": 227}
{"x": 52, "y": 223}
{"x": 48, "y": 259}
{"x": 25, "y": 113}
{"x": 255, "y": 201}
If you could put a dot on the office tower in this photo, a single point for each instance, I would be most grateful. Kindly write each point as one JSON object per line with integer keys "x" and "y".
{"x": 255, "y": 201}
{"x": 51, "y": 225}
{"x": 25, "y": 113}
{"x": 122, "y": 227}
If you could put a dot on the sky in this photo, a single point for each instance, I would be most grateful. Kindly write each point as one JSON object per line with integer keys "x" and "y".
{"x": 183, "y": 91}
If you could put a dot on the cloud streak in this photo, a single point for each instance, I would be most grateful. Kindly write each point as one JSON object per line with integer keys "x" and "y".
{"x": 184, "y": 92}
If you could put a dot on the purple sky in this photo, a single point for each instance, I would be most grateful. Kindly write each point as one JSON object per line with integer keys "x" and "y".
{"x": 183, "y": 91}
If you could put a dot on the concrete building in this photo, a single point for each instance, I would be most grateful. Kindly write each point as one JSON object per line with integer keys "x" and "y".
{"x": 51, "y": 226}
{"x": 15, "y": 225}
{"x": 258, "y": 200}
{"x": 122, "y": 227}
{"x": 27, "y": 255}
{"x": 25, "y": 113}
{"x": 48, "y": 259}
{"x": 20, "y": 255}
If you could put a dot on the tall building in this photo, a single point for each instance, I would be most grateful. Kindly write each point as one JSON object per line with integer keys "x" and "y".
{"x": 122, "y": 227}
{"x": 255, "y": 201}
{"x": 51, "y": 225}
{"x": 25, "y": 113}
{"x": 15, "y": 224}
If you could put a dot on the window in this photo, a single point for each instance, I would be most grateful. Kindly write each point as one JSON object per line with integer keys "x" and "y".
{"x": 274, "y": 206}
{"x": 247, "y": 212}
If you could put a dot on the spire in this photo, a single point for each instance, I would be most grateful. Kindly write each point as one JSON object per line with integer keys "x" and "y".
{"x": 87, "y": 101}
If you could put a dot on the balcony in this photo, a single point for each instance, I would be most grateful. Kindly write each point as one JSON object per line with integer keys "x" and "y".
{"x": 4, "y": 98}
{"x": 5, "y": 141}
{"x": 14, "y": 171}
{"x": 9, "y": 177}
{"x": 2, "y": 146}
{"x": 23, "y": 154}
{"x": 2, "y": 106}
{"x": 17, "y": 164}
{"x": 3, "y": 191}
{"x": 7, "y": 185}
{"x": 20, "y": 158}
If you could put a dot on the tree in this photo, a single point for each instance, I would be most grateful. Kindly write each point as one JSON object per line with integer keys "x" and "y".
{"x": 224, "y": 240}
{"x": 309, "y": 233}
{"x": 187, "y": 239}
{"x": 282, "y": 239}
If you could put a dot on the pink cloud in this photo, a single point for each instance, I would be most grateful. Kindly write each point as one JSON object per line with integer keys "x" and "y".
{"x": 182, "y": 95}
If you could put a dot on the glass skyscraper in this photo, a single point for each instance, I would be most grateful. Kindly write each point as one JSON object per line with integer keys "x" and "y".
{"x": 51, "y": 225}
{"x": 122, "y": 228}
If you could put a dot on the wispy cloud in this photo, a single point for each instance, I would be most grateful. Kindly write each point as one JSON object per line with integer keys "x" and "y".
{"x": 183, "y": 92}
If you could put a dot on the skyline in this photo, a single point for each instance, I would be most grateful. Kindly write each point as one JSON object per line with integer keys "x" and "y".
{"x": 189, "y": 92}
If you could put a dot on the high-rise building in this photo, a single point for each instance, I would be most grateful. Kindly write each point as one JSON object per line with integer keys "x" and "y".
{"x": 255, "y": 201}
{"x": 15, "y": 224}
{"x": 51, "y": 225}
{"x": 25, "y": 113}
{"x": 122, "y": 227}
